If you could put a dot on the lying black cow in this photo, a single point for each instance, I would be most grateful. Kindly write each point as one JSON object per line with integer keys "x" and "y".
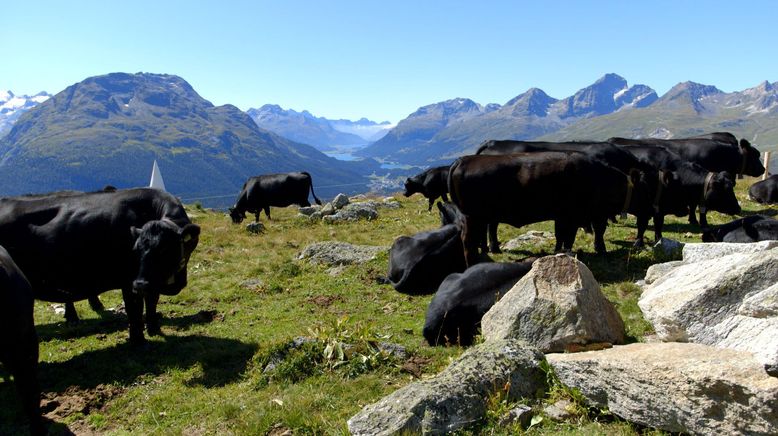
{"x": 72, "y": 247}
{"x": 418, "y": 263}
{"x": 667, "y": 201}
{"x": 455, "y": 312}
{"x": 765, "y": 191}
{"x": 718, "y": 151}
{"x": 752, "y": 228}
{"x": 572, "y": 189}
{"x": 709, "y": 190}
{"x": 279, "y": 190}
{"x": 432, "y": 183}
{"x": 18, "y": 340}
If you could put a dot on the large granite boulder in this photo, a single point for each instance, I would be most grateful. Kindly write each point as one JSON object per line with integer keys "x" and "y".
{"x": 336, "y": 253}
{"x": 677, "y": 387}
{"x": 456, "y": 397}
{"x": 558, "y": 303}
{"x": 726, "y": 301}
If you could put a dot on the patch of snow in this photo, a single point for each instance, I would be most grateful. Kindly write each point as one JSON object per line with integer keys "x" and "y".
{"x": 5, "y": 95}
{"x": 620, "y": 93}
{"x": 40, "y": 98}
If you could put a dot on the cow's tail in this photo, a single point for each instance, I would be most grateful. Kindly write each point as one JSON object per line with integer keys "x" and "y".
{"x": 451, "y": 191}
{"x": 484, "y": 145}
{"x": 312, "y": 193}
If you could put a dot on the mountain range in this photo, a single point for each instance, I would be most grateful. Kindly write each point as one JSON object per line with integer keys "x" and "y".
{"x": 109, "y": 129}
{"x": 440, "y": 132}
{"x": 13, "y": 106}
{"x": 323, "y": 134}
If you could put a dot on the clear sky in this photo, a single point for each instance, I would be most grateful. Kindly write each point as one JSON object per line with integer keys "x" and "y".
{"x": 384, "y": 59}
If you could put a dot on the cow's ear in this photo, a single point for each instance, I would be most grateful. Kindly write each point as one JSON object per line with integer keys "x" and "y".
{"x": 231, "y": 209}
{"x": 189, "y": 232}
{"x": 135, "y": 232}
{"x": 744, "y": 144}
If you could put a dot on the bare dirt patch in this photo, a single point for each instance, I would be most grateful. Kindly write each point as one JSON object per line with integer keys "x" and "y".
{"x": 59, "y": 406}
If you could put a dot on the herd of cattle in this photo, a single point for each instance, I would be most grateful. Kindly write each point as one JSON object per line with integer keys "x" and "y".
{"x": 69, "y": 246}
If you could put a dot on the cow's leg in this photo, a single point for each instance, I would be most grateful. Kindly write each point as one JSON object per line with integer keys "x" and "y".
{"x": 267, "y": 212}
{"x": 692, "y": 215}
{"x": 642, "y": 223}
{"x": 152, "y": 317}
{"x": 133, "y": 304}
{"x": 444, "y": 197}
{"x": 95, "y": 304}
{"x": 659, "y": 222}
{"x": 71, "y": 316}
{"x": 472, "y": 232}
{"x": 703, "y": 219}
{"x": 558, "y": 234}
{"x": 494, "y": 243}
{"x": 256, "y": 217}
{"x": 599, "y": 225}
{"x": 432, "y": 200}
{"x": 24, "y": 367}
{"x": 564, "y": 232}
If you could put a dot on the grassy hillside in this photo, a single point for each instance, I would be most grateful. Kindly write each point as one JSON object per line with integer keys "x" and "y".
{"x": 248, "y": 297}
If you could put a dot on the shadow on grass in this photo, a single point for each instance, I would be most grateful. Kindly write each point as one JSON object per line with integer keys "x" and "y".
{"x": 221, "y": 361}
{"x": 619, "y": 265}
{"x": 110, "y": 322}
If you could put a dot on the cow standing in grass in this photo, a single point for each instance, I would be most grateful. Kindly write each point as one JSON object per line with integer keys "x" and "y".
{"x": 431, "y": 183}
{"x": 279, "y": 190}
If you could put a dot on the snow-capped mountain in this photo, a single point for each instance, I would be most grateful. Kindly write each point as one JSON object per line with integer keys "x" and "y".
{"x": 12, "y": 106}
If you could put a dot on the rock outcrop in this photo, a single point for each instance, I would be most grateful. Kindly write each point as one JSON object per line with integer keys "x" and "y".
{"x": 341, "y": 209}
{"x": 677, "y": 387}
{"x": 726, "y": 301}
{"x": 336, "y": 253}
{"x": 457, "y": 396}
{"x": 558, "y": 303}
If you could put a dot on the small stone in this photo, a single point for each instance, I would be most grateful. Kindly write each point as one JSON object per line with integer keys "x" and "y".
{"x": 521, "y": 414}
{"x": 560, "y": 411}
{"x": 327, "y": 209}
{"x": 308, "y": 210}
{"x": 255, "y": 228}
{"x": 340, "y": 201}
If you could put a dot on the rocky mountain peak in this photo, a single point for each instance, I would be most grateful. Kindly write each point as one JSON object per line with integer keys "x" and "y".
{"x": 532, "y": 102}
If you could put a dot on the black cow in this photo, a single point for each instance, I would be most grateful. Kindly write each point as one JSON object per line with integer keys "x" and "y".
{"x": 432, "y": 183}
{"x": 75, "y": 246}
{"x": 718, "y": 151}
{"x": 18, "y": 340}
{"x": 667, "y": 201}
{"x": 572, "y": 189}
{"x": 455, "y": 312}
{"x": 752, "y": 228}
{"x": 765, "y": 191}
{"x": 279, "y": 190}
{"x": 709, "y": 190}
{"x": 418, "y": 263}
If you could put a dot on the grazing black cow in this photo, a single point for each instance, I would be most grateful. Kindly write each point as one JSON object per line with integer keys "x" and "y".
{"x": 752, "y": 228}
{"x": 432, "y": 183}
{"x": 75, "y": 246}
{"x": 572, "y": 189}
{"x": 418, "y": 263}
{"x": 279, "y": 190}
{"x": 18, "y": 340}
{"x": 718, "y": 151}
{"x": 455, "y": 312}
{"x": 709, "y": 190}
{"x": 765, "y": 191}
{"x": 667, "y": 201}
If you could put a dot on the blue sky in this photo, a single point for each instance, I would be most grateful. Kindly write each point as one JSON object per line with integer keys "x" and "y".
{"x": 384, "y": 59}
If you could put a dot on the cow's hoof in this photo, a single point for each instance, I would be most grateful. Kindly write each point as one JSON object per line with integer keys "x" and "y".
{"x": 154, "y": 330}
{"x": 495, "y": 250}
{"x": 138, "y": 342}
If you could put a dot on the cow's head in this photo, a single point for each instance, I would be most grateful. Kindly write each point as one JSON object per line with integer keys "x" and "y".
{"x": 163, "y": 249}
{"x": 237, "y": 215}
{"x": 751, "y": 164}
{"x": 413, "y": 185}
{"x": 670, "y": 194}
{"x": 720, "y": 194}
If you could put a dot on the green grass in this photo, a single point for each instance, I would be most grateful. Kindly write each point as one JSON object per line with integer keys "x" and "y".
{"x": 249, "y": 296}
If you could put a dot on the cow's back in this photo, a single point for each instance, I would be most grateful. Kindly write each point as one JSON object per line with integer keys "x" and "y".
{"x": 278, "y": 190}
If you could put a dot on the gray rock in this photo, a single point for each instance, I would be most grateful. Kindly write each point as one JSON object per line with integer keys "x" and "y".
{"x": 335, "y": 253}
{"x": 713, "y": 302}
{"x": 340, "y": 201}
{"x": 457, "y": 396}
{"x": 658, "y": 270}
{"x": 390, "y": 204}
{"x": 557, "y": 304}
{"x": 668, "y": 249}
{"x": 308, "y": 210}
{"x": 353, "y": 212}
{"x": 560, "y": 411}
{"x": 531, "y": 237}
{"x": 316, "y": 216}
{"x": 255, "y": 228}
{"x": 676, "y": 387}
{"x": 520, "y": 414}
{"x": 707, "y": 251}
{"x": 327, "y": 209}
